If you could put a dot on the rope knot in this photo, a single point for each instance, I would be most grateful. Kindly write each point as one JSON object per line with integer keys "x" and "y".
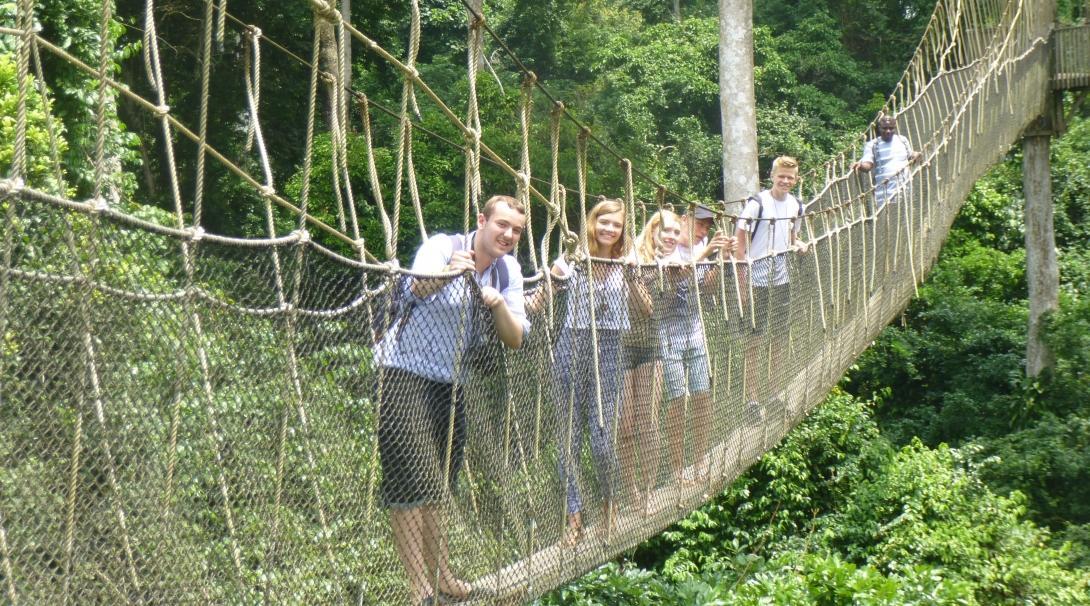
{"x": 10, "y": 187}
{"x": 98, "y": 204}
{"x": 162, "y": 111}
{"x": 302, "y": 234}
{"x": 472, "y": 135}
{"x": 196, "y": 233}
{"x": 253, "y": 32}
{"x": 412, "y": 73}
{"x": 327, "y": 11}
{"x": 523, "y": 180}
{"x": 359, "y": 244}
{"x": 267, "y": 191}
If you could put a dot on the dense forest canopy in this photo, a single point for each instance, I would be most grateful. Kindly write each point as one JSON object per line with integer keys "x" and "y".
{"x": 937, "y": 474}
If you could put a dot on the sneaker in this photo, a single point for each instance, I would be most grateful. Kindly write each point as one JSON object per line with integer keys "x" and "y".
{"x": 753, "y": 413}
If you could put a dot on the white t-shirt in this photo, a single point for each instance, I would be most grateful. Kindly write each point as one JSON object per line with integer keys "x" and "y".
{"x": 610, "y": 296}
{"x": 770, "y": 238}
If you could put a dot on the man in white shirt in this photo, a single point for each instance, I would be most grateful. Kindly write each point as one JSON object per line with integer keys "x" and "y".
{"x": 888, "y": 155}
{"x": 767, "y": 231}
{"x": 420, "y": 447}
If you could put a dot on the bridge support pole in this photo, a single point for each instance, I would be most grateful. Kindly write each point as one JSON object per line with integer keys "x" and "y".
{"x": 737, "y": 104}
{"x": 1042, "y": 272}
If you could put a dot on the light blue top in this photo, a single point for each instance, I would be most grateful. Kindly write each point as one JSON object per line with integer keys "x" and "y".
{"x": 890, "y": 159}
{"x": 441, "y": 323}
{"x": 610, "y": 297}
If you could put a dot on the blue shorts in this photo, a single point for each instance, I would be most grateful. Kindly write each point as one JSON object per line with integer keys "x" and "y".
{"x": 685, "y": 365}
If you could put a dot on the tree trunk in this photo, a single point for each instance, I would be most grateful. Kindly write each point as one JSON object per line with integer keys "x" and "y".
{"x": 1042, "y": 274}
{"x": 737, "y": 105}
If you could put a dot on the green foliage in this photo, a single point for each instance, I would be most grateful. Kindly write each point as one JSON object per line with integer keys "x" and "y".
{"x": 776, "y": 499}
{"x": 834, "y": 515}
{"x": 41, "y": 169}
{"x": 924, "y": 508}
{"x": 75, "y": 25}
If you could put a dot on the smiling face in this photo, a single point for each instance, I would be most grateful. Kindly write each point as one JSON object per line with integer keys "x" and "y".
{"x": 668, "y": 235}
{"x": 608, "y": 229}
{"x": 605, "y": 229}
{"x": 499, "y": 231}
{"x": 785, "y": 175}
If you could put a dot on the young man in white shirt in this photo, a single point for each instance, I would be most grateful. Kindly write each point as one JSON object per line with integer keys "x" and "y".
{"x": 422, "y": 384}
{"x": 768, "y": 229}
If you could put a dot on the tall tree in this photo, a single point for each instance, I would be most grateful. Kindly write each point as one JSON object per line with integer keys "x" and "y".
{"x": 737, "y": 103}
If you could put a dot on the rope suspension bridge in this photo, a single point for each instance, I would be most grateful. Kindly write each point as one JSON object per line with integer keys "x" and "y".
{"x": 191, "y": 417}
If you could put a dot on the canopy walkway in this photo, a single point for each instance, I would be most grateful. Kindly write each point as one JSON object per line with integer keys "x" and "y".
{"x": 187, "y": 417}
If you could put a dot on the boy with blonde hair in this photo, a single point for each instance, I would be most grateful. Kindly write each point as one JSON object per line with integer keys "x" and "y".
{"x": 768, "y": 228}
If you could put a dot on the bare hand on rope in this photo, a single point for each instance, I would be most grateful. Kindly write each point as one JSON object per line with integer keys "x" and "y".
{"x": 491, "y": 297}
{"x": 722, "y": 243}
{"x": 462, "y": 261}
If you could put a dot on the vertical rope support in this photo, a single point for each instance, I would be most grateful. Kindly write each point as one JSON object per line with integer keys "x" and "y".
{"x": 304, "y": 198}
{"x": 152, "y": 66}
{"x": 206, "y": 70}
{"x": 343, "y": 128}
{"x": 25, "y": 20}
{"x": 581, "y": 169}
{"x": 373, "y": 180}
{"x": 104, "y": 52}
{"x": 291, "y": 316}
{"x": 526, "y": 108}
{"x": 51, "y": 127}
{"x": 473, "y": 118}
{"x": 405, "y": 135}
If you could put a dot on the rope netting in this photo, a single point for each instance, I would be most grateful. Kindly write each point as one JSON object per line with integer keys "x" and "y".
{"x": 187, "y": 417}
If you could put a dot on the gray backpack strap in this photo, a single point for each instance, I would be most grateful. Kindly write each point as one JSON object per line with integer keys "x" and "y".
{"x": 501, "y": 278}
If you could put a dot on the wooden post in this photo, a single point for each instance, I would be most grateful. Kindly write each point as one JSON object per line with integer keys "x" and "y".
{"x": 738, "y": 108}
{"x": 1042, "y": 272}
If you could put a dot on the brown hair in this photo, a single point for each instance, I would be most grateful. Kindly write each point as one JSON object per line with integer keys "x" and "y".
{"x": 605, "y": 207}
{"x": 490, "y": 205}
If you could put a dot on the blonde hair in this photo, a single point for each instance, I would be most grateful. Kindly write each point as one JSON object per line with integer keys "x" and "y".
{"x": 646, "y": 251}
{"x": 785, "y": 162}
{"x": 605, "y": 207}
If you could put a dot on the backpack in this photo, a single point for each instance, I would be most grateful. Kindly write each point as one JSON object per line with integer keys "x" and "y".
{"x": 761, "y": 212}
{"x": 399, "y": 306}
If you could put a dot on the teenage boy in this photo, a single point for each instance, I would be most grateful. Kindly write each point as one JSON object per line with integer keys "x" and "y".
{"x": 768, "y": 229}
{"x": 421, "y": 384}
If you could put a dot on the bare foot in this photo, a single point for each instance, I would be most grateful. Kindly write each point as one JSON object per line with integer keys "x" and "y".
{"x": 573, "y": 533}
